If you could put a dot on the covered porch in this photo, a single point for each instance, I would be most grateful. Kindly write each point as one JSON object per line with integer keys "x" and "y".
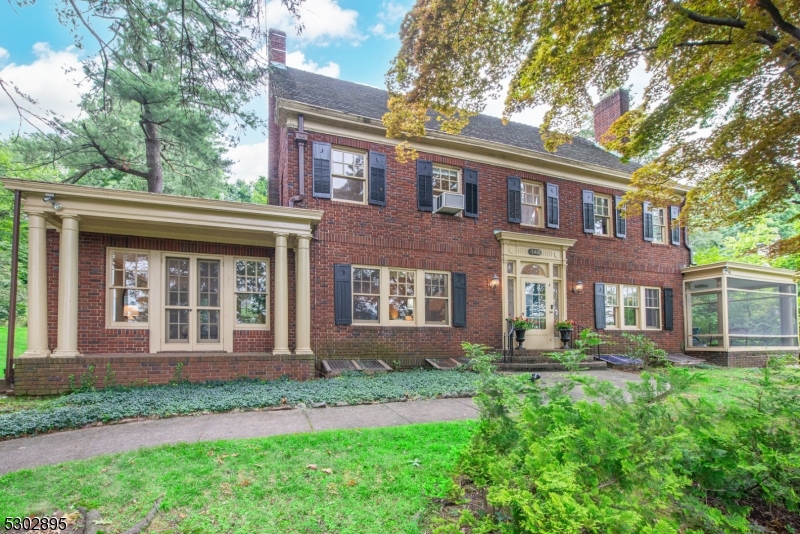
{"x": 738, "y": 314}
{"x": 174, "y": 275}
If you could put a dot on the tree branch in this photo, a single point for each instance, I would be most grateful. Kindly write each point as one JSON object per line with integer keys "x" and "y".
{"x": 707, "y": 19}
{"x": 112, "y": 162}
{"x": 778, "y": 19}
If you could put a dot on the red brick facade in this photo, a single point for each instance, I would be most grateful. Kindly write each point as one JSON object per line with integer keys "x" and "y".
{"x": 399, "y": 235}
{"x": 609, "y": 110}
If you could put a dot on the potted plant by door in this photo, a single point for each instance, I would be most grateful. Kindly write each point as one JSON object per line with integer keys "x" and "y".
{"x": 565, "y": 329}
{"x": 521, "y": 325}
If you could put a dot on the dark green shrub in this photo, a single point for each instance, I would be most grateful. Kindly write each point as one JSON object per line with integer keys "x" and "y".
{"x": 643, "y": 348}
{"x": 644, "y": 460}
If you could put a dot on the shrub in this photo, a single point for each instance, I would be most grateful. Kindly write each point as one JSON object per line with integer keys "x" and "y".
{"x": 572, "y": 358}
{"x": 645, "y": 460}
{"x": 643, "y": 348}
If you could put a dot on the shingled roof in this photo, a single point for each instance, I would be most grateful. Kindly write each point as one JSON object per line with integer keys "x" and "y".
{"x": 366, "y": 101}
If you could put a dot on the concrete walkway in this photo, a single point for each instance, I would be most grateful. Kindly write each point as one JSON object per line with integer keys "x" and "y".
{"x": 60, "y": 447}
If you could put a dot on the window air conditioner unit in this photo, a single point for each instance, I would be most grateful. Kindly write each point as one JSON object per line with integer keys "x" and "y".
{"x": 450, "y": 203}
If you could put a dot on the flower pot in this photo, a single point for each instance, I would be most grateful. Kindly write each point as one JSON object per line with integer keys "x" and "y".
{"x": 520, "y": 335}
{"x": 566, "y": 336}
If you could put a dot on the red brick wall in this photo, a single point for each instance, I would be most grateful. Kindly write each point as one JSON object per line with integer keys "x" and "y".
{"x": 47, "y": 376}
{"x": 609, "y": 110}
{"x": 399, "y": 235}
{"x": 739, "y": 359}
{"x": 93, "y": 337}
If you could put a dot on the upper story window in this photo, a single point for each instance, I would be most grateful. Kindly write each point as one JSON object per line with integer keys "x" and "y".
{"x": 445, "y": 180}
{"x": 659, "y": 226}
{"x": 129, "y": 288}
{"x": 347, "y": 176}
{"x": 602, "y": 215}
{"x": 532, "y": 204}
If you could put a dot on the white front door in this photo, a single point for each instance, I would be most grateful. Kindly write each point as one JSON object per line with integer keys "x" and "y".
{"x": 536, "y": 307}
{"x": 192, "y": 303}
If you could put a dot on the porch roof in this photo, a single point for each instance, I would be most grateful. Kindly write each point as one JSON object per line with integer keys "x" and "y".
{"x": 134, "y": 213}
{"x": 743, "y": 270}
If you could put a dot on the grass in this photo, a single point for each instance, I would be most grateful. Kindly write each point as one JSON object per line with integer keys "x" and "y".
{"x": 20, "y": 343}
{"x": 382, "y": 481}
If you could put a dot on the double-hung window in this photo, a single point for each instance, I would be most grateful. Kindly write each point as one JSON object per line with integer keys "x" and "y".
{"x": 129, "y": 288}
{"x": 612, "y": 306}
{"x": 630, "y": 303}
{"x": 602, "y": 215}
{"x": 652, "y": 308}
{"x": 446, "y": 180}
{"x": 389, "y": 296}
{"x": 659, "y": 226}
{"x": 532, "y": 204}
{"x": 348, "y": 181}
{"x": 251, "y": 292}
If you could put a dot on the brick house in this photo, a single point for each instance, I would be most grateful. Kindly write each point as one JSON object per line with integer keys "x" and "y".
{"x": 361, "y": 256}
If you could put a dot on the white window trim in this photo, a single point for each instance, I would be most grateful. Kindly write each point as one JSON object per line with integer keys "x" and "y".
{"x": 542, "y": 194}
{"x": 109, "y": 314}
{"x": 419, "y": 290}
{"x": 236, "y": 325}
{"x": 665, "y": 234}
{"x": 617, "y": 313}
{"x": 609, "y": 217}
{"x": 364, "y": 179}
{"x": 460, "y": 191}
{"x": 642, "y": 313}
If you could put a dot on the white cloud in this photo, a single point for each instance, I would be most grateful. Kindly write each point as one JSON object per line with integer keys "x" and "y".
{"x": 325, "y": 21}
{"x": 380, "y": 30}
{"x": 51, "y": 80}
{"x": 3, "y": 53}
{"x": 249, "y": 161}
{"x": 392, "y": 12}
{"x": 298, "y": 60}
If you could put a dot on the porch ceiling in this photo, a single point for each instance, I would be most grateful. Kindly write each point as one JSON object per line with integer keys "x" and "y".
{"x": 134, "y": 213}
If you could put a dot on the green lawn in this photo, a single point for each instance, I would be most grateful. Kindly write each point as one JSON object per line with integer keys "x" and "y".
{"x": 382, "y": 481}
{"x": 20, "y": 343}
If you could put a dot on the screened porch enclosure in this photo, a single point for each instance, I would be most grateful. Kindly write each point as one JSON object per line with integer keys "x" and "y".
{"x": 740, "y": 307}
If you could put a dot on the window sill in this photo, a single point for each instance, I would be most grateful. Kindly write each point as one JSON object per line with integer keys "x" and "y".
{"x": 531, "y": 226}
{"x": 399, "y": 325}
{"x": 251, "y": 327}
{"x": 128, "y": 326}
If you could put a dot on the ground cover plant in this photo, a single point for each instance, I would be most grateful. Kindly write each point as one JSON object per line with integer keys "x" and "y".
{"x": 20, "y": 343}
{"x": 115, "y": 403}
{"x": 658, "y": 457}
{"x": 381, "y": 481}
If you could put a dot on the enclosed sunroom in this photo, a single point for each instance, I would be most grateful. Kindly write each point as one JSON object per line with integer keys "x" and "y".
{"x": 738, "y": 314}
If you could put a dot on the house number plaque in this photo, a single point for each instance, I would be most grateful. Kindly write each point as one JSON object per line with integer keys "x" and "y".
{"x": 535, "y": 251}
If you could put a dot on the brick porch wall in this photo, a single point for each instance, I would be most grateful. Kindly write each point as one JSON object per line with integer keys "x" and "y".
{"x": 739, "y": 359}
{"x": 47, "y": 376}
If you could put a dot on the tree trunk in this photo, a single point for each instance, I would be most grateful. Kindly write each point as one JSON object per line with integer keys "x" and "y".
{"x": 155, "y": 174}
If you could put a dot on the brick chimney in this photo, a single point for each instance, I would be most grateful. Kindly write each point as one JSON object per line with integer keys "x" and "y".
{"x": 608, "y": 110}
{"x": 277, "y": 48}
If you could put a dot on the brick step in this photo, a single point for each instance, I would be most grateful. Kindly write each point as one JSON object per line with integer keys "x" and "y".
{"x": 551, "y": 366}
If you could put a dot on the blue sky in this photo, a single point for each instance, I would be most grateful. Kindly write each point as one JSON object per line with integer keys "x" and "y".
{"x": 350, "y": 39}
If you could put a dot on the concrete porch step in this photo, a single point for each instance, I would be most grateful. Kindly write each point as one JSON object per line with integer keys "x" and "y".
{"x": 548, "y": 366}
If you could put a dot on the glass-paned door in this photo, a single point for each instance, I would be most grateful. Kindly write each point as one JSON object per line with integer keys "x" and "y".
{"x": 537, "y": 296}
{"x": 193, "y": 304}
{"x": 536, "y": 304}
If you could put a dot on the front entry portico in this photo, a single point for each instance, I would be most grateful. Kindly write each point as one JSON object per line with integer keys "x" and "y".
{"x": 534, "y": 280}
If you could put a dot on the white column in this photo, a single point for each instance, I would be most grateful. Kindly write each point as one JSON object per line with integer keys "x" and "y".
{"x": 303, "y": 296}
{"x": 68, "y": 289}
{"x": 37, "y": 287}
{"x": 281, "y": 296}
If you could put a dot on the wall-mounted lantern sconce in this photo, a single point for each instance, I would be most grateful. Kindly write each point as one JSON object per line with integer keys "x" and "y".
{"x": 578, "y": 287}
{"x": 495, "y": 282}
{"x": 51, "y": 198}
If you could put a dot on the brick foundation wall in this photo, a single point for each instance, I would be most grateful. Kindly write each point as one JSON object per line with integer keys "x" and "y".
{"x": 398, "y": 235}
{"x": 739, "y": 359}
{"x": 47, "y": 376}
{"x": 94, "y": 338}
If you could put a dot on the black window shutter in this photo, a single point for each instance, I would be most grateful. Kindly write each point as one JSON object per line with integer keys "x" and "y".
{"x": 514, "y": 199}
{"x": 599, "y": 305}
{"x": 377, "y": 178}
{"x": 675, "y": 230}
{"x": 668, "y": 309}
{"x": 424, "y": 185}
{"x": 621, "y": 222}
{"x": 321, "y": 170}
{"x": 588, "y": 211}
{"x": 647, "y": 221}
{"x": 552, "y": 205}
{"x": 460, "y": 300}
{"x": 342, "y": 293}
{"x": 471, "y": 193}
